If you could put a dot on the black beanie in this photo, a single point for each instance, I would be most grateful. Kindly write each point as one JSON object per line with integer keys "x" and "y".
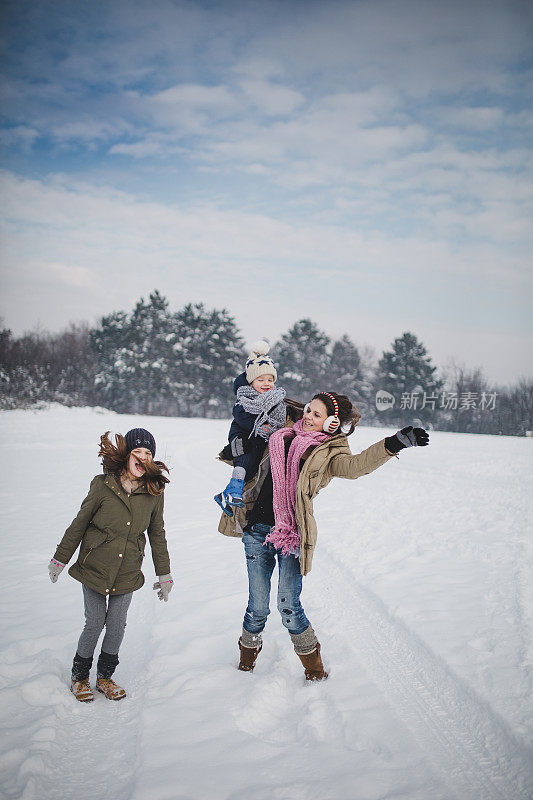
{"x": 140, "y": 437}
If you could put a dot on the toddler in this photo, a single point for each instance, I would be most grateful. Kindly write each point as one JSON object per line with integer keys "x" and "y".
{"x": 258, "y": 412}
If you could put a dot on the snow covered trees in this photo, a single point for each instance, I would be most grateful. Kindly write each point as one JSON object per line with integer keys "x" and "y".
{"x": 135, "y": 357}
{"x": 39, "y": 366}
{"x": 309, "y": 362}
{"x": 406, "y": 373}
{"x": 350, "y": 375}
{"x": 148, "y": 361}
{"x": 303, "y": 359}
{"x": 156, "y": 361}
{"x": 208, "y": 353}
{"x": 153, "y": 361}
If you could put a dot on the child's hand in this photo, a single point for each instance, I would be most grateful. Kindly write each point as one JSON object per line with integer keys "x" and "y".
{"x": 55, "y": 569}
{"x": 164, "y": 583}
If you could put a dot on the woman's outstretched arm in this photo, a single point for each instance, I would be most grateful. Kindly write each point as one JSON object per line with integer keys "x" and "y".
{"x": 345, "y": 465}
{"x": 348, "y": 465}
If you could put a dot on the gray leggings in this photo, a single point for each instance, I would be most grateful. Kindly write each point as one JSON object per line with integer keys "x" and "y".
{"x": 97, "y": 614}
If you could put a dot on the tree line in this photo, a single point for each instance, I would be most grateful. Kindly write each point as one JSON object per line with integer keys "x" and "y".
{"x": 152, "y": 360}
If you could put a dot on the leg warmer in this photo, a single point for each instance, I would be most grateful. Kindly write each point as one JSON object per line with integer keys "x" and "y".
{"x": 81, "y": 667}
{"x": 252, "y": 640}
{"x": 107, "y": 663}
{"x": 304, "y": 642}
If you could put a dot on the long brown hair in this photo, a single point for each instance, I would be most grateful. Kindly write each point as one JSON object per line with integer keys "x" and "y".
{"x": 295, "y": 409}
{"x": 115, "y": 460}
{"x": 349, "y": 415}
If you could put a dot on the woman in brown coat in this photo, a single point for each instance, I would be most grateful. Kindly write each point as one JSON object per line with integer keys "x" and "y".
{"x": 123, "y": 503}
{"x": 277, "y": 521}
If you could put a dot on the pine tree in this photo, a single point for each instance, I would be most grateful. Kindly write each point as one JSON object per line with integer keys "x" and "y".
{"x": 110, "y": 341}
{"x": 406, "y": 373}
{"x": 303, "y": 360}
{"x": 208, "y": 355}
{"x": 152, "y": 334}
{"x": 135, "y": 357}
{"x": 346, "y": 373}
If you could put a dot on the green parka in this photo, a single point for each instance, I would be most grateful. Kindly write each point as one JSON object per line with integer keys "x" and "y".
{"x": 110, "y": 526}
{"x": 331, "y": 459}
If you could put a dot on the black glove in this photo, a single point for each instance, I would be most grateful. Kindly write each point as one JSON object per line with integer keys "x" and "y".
{"x": 407, "y": 437}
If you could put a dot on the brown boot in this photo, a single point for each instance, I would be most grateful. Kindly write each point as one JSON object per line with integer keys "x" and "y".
{"x": 82, "y": 690}
{"x": 110, "y": 689}
{"x": 314, "y": 668}
{"x": 248, "y": 657}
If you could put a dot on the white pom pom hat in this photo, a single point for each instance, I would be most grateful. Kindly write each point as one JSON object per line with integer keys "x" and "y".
{"x": 259, "y": 363}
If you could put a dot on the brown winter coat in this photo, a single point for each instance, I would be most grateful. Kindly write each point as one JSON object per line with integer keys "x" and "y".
{"x": 331, "y": 459}
{"x": 110, "y": 526}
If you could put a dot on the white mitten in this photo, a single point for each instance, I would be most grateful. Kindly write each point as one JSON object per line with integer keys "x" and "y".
{"x": 164, "y": 584}
{"x": 55, "y": 569}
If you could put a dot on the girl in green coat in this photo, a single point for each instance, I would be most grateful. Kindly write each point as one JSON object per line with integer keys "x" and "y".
{"x": 123, "y": 503}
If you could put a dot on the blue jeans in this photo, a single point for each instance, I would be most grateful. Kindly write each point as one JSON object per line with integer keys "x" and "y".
{"x": 260, "y": 562}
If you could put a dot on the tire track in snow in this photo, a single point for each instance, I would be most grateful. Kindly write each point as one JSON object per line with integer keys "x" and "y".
{"x": 476, "y": 753}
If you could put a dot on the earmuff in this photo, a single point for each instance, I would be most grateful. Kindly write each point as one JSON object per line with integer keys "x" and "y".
{"x": 331, "y": 424}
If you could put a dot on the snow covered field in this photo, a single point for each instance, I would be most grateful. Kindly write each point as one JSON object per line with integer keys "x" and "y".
{"x": 418, "y": 593}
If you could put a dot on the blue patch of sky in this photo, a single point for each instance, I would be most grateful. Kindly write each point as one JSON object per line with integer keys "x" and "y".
{"x": 201, "y": 60}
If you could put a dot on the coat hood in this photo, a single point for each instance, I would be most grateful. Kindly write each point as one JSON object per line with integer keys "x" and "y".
{"x": 239, "y": 381}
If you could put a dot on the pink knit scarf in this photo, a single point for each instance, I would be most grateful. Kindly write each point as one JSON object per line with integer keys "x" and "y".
{"x": 284, "y": 535}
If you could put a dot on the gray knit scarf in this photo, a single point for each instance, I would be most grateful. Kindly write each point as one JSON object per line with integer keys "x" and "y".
{"x": 267, "y": 407}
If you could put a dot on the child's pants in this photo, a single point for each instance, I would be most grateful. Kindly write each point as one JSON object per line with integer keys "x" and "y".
{"x": 97, "y": 614}
{"x": 249, "y": 460}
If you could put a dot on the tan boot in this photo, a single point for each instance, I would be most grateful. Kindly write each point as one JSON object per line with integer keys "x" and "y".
{"x": 314, "y": 668}
{"x": 248, "y": 657}
{"x": 82, "y": 691}
{"x": 110, "y": 689}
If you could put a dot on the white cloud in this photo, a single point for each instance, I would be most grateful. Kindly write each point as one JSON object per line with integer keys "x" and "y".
{"x": 61, "y": 215}
{"x": 195, "y": 95}
{"x": 270, "y": 98}
{"x": 419, "y": 47}
{"x": 333, "y": 135}
{"x": 68, "y": 223}
{"x": 21, "y": 135}
{"x": 68, "y": 274}
{"x": 90, "y": 130}
{"x": 474, "y": 118}
{"x": 154, "y": 144}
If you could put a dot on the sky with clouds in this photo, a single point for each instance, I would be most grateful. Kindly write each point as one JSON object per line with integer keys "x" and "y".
{"x": 366, "y": 164}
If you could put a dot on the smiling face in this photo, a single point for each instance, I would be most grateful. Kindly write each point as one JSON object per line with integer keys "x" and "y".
{"x": 264, "y": 383}
{"x": 315, "y": 414}
{"x": 142, "y": 455}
